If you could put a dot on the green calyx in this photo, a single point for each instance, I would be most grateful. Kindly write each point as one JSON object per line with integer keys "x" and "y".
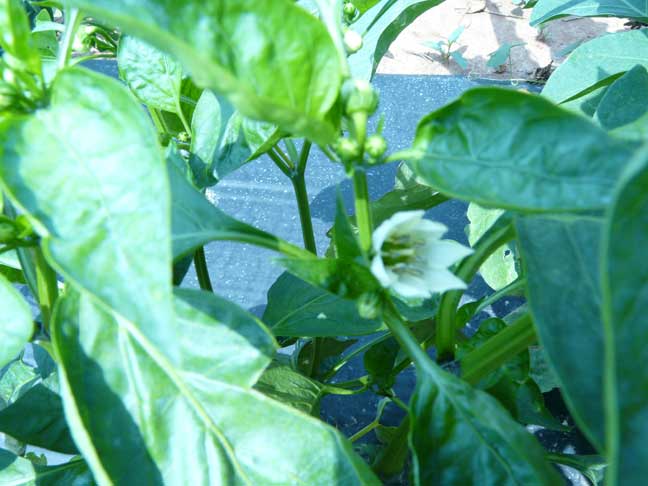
{"x": 348, "y": 149}
{"x": 376, "y": 146}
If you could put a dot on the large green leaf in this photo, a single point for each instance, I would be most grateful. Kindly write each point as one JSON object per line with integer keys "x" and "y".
{"x": 509, "y": 149}
{"x": 95, "y": 187}
{"x": 296, "y": 308}
{"x": 625, "y": 299}
{"x": 546, "y": 10}
{"x": 461, "y": 435}
{"x": 196, "y": 221}
{"x": 238, "y": 346}
{"x": 273, "y": 60}
{"x": 154, "y": 77}
{"x": 379, "y": 26}
{"x": 18, "y": 471}
{"x": 596, "y": 61}
{"x": 30, "y": 406}
{"x": 16, "y": 326}
{"x": 560, "y": 257}
{"x": 625, "y": 100}
{"x": 178, "y": 421}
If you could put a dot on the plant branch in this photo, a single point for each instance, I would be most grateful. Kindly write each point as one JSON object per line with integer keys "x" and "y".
{"x": 72, "y": 21}
{"x": 446, "y": 327}
{"x": 301, "y": 194}
{"x": 202, "y": 272}
{"x": 47, "y": 287}
{"x": 498, "y": 350}
{"x": 279, "y": 162}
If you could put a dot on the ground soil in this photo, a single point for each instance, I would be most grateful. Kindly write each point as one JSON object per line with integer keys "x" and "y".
{"x": 488, "y": 24}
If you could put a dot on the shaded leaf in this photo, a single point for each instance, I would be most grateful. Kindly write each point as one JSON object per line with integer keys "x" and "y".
{"x": 546, "y": 10}
{"x": 16, "y": 326}
{"x": 564, "y": 298}
{"x": 624, "y": 101}
{"x": 18, "y": 471}
{"x": 515, "y": 150}
{"x": 296, "y": 308}
{"x": 625, "y": 296}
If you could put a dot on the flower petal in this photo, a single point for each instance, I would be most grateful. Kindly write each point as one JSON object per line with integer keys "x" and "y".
{"x": 385, "y": 277}
{"x": 430, "y": 230}
{"x": 396, "y": 224}
{"x": 438, "y": 281}
{"x": 410, "y": 288}
{"x": 443, "y": 253}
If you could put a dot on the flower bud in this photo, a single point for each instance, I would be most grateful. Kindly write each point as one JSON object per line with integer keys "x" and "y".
{"x": 348, "y": 149}
{"x": 376, "y": 146}
{"x": 352, "y": 41}
{"x": 349, "y": 11}
{"x": 359, "y": 96}
{"x": 369, "y": 305}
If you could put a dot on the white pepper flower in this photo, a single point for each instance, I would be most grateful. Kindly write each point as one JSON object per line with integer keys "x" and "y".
{"x": 410, "y": 258}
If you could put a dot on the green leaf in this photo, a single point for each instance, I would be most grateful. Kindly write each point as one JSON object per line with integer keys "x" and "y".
{"x": 344, "y": 236}
{"x": 345, "y": 278}
{"x": 454, "y": 36}
{"x": 167, "y": 409}
{"x": 546, "y": 10}
{"x": 196, "y": 222}
{"x": 260, "y": 137}
{"x": 459, "y": 59}
{"x": 596, "y": 61}
{"x": 329, "y": 353}
{"x": 499, "y": 269}
{"x": 15, "y": 37}
{"x": 18, "y": 471}
{"x": 273, "y": 60}
{"x": 501, "y": 55}
{"x": 379, "y": 27}
{"x": 240, "y": 346}
{"x": 154, "y": 77}
{"x": 30, "y": 406}
{"x": 16, "y": 326}
{"x": 514, "y": 150}
{"x": 461, "y": 435}
{"x": 101, "y": 152}
{"x": 280, "y": 382}
{"x": 45, "y": 39}
{"x": 560, "y": 258}
{"x": 296, "y": 308}
{"x": 624, "y": 101}
{"x": 625, "y": 297}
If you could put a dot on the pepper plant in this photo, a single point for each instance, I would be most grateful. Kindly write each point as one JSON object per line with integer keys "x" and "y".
{"x": 139, "y": 380}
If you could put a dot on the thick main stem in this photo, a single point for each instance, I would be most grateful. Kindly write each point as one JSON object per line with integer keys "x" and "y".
{"x": 362, "y": 209}
{"x": 301, "y": 194}
{"x": 202, "y": 272}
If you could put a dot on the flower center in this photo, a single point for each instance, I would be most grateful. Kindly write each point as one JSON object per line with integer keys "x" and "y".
{"x": 400, "y": 252}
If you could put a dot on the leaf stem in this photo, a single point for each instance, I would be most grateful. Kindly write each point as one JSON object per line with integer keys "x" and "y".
{"x": 446, "y": 328}
{"x": 303, "y": 156}
{"x": 47, "y": 287}
{"x": 362, "y": 209}
{"x": 279, "y": 162}
{"x": 498, "y": 350}
{"x": 183, "y": 119}
{"x": 72, "y": 21}
{"x": 202, "y": 272}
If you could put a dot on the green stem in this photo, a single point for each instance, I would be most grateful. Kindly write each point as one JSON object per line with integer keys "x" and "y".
{"x": 446, "y": 328}
{"x": 279, "y": 162}
{"x": 362, "y": 209}
{"x": 200, "y": 262}
{"x": 403, "y": 335}
{"x": 344, "y": 360}
{"x": 72, "y": 21}
{"x": 511, "y": 289}
{"x": 286, "y": 160}
{"x": 185, "y": 124}
{"x": 47, "y": 287}
{"x": 301, "y": 194}
{"x": 303, "y": 156}
{"x": 497, "y": 350}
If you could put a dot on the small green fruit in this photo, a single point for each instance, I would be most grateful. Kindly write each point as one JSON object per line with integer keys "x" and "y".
{"x": 376, "y": 146}
{"x": 352, "y": 41}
